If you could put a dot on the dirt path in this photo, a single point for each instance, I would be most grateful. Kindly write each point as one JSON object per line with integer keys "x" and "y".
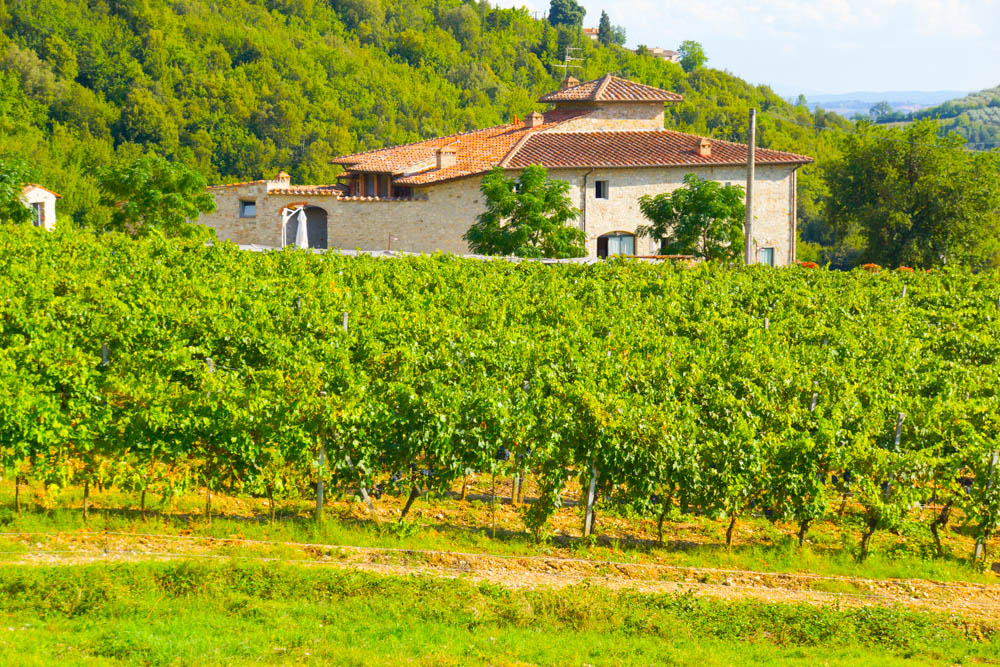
{"x": 973, "y": 601}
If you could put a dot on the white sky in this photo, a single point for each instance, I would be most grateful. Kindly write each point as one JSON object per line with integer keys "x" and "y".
{"x": 822, "y": 46}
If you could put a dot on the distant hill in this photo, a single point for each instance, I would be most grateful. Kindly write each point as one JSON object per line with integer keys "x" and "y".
{"x": 976, "y": 117}
{"x": 906, "y": 101}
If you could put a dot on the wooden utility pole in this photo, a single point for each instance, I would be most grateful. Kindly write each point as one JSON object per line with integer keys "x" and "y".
{"x": 751, "y": 143}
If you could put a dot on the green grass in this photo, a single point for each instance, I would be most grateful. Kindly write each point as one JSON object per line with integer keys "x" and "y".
{"x": 830, "y": 551}
{"x": 195, "y": 613}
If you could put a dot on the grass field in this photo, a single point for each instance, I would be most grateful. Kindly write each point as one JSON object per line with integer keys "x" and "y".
{"x": 63, "y": 593}
{"x": 185, "y": 613}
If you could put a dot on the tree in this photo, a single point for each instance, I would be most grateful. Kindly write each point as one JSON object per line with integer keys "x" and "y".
{"x": 703, "y": 218}
{"x": 692, "y": 55}
{"x": 604, "y": 29}
{"x": 155, "y": 193}
{"x": 526, "y": 217}
{"x": 14, "y": 173}
{"x": 618, "y": 35}
{"x": 567, "y": 13}
{"x": 607, "y": 34}
{"x": 881, "y": 110}
{"x": 915, "y": 198}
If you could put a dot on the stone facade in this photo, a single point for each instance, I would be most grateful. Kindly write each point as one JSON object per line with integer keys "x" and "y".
{"x": 437, "y": 217}
{"x": 613, "y": 117}
{"x": 774, "y": 197}
{"x": 433, "y": 220}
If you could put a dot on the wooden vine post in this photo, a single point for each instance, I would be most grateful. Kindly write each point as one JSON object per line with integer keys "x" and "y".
{"x": 319, "y": 481}
{"x": 588, "y": 521}
{"x": 980, "y": 552}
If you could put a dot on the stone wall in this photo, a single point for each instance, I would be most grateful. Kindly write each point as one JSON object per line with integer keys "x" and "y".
{"x": 439, "y": 215}
{"x": 435, "y": 219}
{"x": 613, "y": 117}
{"x": 774, "y": 209}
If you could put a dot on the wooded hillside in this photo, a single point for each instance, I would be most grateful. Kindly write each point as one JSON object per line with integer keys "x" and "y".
{"x": 243, "y": 88}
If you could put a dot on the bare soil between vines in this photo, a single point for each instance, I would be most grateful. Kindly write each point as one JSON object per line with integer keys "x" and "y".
{"x": 962, "y": 599}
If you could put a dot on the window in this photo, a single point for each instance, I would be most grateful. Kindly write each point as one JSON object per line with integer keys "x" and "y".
{"x": 248, "y": 209}
{"x": 38, "y": 214}
{"x": 616, "y": 243}
{"x": 601, "y": 189}
{"x": 765, "y": 256}
{"x": 383, "y": 185}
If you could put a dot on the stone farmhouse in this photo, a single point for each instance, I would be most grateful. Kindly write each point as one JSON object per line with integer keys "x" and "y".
{"x": 42, "y": 203}
{"x": 605, "y": 137}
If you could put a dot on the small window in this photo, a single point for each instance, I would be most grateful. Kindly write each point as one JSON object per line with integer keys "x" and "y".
{"x": 765, "y": 256}
{"x": 38, "y": 214}
{"x": 601, "y": 189}
{"x": 248, "y": 209}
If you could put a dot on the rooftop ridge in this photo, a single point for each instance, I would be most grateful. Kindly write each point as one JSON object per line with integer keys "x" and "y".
{"x": 611, "y": 88}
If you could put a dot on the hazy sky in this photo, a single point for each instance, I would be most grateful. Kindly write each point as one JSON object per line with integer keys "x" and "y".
{"x": 827, "y": 46}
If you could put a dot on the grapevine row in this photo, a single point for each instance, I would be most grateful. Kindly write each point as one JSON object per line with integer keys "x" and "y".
{"x": 160, "y": 364}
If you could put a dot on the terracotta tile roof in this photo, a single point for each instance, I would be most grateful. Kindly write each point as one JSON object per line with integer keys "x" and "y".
{"x": 36, "y": 186}
{"x": 610, "y": 88}
{"x": 636, "y": 149}
{"x": 476, "y": 152}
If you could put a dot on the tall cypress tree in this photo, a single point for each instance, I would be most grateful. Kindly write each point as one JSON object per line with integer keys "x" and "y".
{"x": 605, "y": 33}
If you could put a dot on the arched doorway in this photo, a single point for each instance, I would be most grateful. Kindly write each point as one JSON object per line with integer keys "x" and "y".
{"x": 315, "y": 228}
{"x": 615, "y": 243}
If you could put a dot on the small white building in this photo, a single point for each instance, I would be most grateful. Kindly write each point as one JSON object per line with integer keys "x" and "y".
{"x": 42, "y": 203}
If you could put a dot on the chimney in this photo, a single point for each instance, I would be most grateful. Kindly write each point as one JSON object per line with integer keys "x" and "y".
{"x": 569, "y": 82}
{"x": 705, "y": 148}
{"x": 283, "y": 177}
{"x": 534, "y": 119}
{"x": 446, "y": 157}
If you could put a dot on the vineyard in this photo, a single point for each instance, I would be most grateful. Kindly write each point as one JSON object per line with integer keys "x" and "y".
{"x": 159, "y": 366}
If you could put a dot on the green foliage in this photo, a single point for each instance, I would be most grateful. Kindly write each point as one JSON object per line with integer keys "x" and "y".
{"x": 916, "y": 199}
{"x": 14, "y": 173}
{"x": 567, "y": 13}
{"x": 526, "y": 217}
{"x": 156, "y": 194}
{"x": 608, "y": 34}
{"x": 975, "y": 117}
{"x": 720, "y": 389}
{"x": 243, "y": 614}
{"x": 703, "y": 218}
{"x": 692, "y": 55}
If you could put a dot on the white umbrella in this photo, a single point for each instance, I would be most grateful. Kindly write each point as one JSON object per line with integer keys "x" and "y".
{"x": 302, "y": 234}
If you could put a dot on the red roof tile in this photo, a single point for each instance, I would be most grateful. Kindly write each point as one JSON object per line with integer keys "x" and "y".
{"x": 636, "y": 149}
{"x": 476, "y": 152}
{"x": 36, "y": 186}
{"x": 610, "y": 88}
